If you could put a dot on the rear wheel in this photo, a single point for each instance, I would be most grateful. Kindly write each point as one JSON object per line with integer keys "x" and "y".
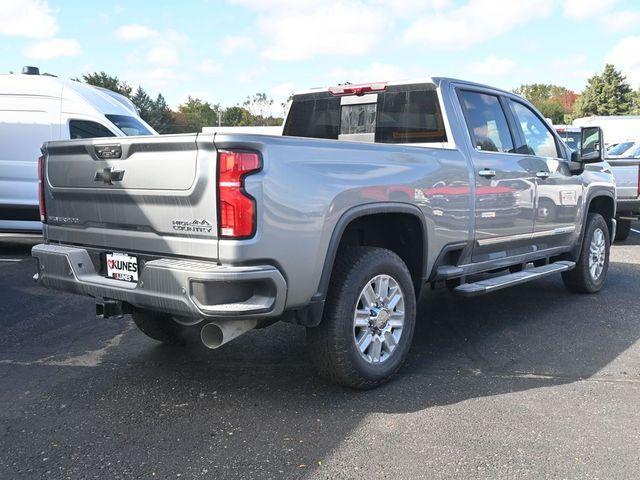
{"x": 369, "y": 318}
{"x": 160, "y": 327}
{"x": 591, "y": 268}
{"x": 623, "y": 230}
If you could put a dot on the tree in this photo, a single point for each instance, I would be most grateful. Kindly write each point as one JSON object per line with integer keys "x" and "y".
{"x": 161, "y": 116}
{"x": 553, "y": 101}
{"x": 101, "y": 79}
{"x": 259, "y": 106}
{"x": 197, "y": 114}
{"x": 606, "y": 94}
{"x": 236, "y": 116}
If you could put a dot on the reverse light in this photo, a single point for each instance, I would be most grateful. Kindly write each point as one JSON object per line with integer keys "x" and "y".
{"x": 237, "y": 209}
{"x": 357, "y": 90}
{"x": 43, "y": 209}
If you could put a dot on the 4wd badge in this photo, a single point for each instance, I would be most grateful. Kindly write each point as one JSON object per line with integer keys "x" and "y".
{"x": 195, "y": 226}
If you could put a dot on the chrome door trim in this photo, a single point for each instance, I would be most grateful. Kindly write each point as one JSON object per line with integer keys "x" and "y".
{"x": 527, "y": 236}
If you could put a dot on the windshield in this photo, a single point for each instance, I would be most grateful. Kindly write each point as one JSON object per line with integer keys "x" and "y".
{"x": 572, "y": 139}
{"x": 130, "y": 126}
{"x": 401, "y": 114}
{"x": 633, "y": 152}
{"x": 620, "y": 148}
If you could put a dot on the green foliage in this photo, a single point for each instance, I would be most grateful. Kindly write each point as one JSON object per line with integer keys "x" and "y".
{"x": 195, "y": 114}
{"x": 608, "y": 93}
{"x": 101, "y": 79}
{"x": 553, "y": 101}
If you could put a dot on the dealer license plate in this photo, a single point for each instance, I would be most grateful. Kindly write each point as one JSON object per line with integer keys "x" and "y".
{"x": 122, "y": 267}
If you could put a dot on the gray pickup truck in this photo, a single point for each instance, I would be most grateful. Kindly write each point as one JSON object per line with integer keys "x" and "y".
{"x": 372, "y": 193}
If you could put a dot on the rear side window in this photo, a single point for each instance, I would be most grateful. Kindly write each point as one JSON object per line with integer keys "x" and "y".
{"x": 487, "y": 122}
{"x": 538, "y": 138}
{"x": 402, "y": 114}
{"x": 314, "y": 117}
{"x": 87, "y": 129}
{"x": 411, "y": 116}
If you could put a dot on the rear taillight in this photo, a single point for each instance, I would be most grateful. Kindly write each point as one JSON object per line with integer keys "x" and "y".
{"x": 237, "y": 209}
{"x": 43, "y": 209}
{"x": 357, "y": 90}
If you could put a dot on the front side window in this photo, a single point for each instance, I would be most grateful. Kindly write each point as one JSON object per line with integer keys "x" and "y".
{"x": 487, "y": 122}
{"x": 130, "y": 126}
{"x": 87, "y": 129}
{"x": 538, "y": 139}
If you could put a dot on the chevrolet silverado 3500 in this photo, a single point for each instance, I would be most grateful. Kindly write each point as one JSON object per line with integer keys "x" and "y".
{"x": 373, "y": 192}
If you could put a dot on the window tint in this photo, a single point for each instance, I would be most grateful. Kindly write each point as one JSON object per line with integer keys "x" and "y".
{"x": 314, "y": 117}
{"x": 409, "y": 116}
{"x": 538, "y": 139}
{"x": 487, "y": 122}
{"x": 87, "y": 129}
{"x": 130, "y": 126}
{"x": 403, "y": 114}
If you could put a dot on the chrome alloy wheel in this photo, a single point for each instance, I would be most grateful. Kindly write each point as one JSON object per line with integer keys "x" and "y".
{"x": 597, "y": 254}
{"x": 378, "y": 319}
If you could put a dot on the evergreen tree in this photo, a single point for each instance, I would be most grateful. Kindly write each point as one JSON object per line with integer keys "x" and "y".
{"x": 606, "y": 94}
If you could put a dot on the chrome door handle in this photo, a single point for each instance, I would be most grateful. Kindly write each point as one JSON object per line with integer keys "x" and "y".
{"x": 543, "y": 174}
{"x": 485, "y": 172}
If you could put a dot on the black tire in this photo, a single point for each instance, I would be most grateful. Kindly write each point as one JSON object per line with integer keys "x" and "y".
{"x": 159, "y": 327}
{"x": 580, "y": 280}
{"x": 623, "y": 230}
{"x": 332, "y": 345}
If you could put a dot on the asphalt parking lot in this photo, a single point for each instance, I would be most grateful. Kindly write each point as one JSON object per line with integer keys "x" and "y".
{"x": 528, "y": 382}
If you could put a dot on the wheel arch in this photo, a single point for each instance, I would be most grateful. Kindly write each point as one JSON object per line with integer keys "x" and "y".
{"x": 360, "y": 213}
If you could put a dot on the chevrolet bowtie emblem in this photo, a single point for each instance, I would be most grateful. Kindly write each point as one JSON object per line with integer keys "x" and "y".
{"x": 108, "y": 176}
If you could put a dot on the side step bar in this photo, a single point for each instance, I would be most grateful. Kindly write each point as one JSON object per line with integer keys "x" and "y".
{"x": 496, "y": 283}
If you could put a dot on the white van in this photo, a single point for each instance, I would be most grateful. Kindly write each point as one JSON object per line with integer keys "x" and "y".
{"x": 38, "y": 108}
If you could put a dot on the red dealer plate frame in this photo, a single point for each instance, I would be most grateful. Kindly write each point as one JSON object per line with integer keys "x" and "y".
{"x": 122, "y": 266}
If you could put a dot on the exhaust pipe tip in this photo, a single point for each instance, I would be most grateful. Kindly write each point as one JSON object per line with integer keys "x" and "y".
{"x": 212, "y": 336}
{"x": 216, "y": 334}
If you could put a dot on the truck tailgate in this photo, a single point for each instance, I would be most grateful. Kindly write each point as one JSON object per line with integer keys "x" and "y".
{"x": 627, "y": 174}
{"x": 155, "y": 195}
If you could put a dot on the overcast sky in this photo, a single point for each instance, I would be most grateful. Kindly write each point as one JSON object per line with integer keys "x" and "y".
{"x": 225, "y": 50}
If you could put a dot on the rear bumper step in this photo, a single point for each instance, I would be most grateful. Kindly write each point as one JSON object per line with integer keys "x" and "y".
{"x": 186, "y": 288}
{"x": 496, "y": 283}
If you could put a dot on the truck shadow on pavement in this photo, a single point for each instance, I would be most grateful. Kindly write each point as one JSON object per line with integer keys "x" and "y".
{"x": 256, "y": 407}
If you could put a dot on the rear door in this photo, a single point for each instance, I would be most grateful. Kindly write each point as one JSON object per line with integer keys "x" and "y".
{"x": 504, "y": 180}
{"x": 559, "y": 192}
{"x": 134, "y": 194}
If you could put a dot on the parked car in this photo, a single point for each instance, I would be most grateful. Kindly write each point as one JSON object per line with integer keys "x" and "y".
{"x": 626, "y": 170}
{"x": 224, "y": 233}
{"x": 620, "y": 149}
{"x": 38, "y": 108}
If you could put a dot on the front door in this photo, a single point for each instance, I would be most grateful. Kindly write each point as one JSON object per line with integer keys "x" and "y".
{"x": 504, "y": 184}
{"x": 559, "y": 193}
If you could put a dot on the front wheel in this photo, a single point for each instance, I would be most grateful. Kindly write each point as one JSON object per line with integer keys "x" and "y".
{"x": 591, "y": 268}
{"x": 369, "y": 318}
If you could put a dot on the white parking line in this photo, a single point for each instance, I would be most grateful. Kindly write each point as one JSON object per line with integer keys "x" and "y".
{"x": 635, "y": 231}
{"x": 10, "y": 259}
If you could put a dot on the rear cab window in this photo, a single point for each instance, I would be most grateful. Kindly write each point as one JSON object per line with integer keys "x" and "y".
{"x": 407, "y": 114}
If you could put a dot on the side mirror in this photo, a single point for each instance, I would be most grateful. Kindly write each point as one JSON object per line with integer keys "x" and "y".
{"x": 591, "y": 145}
